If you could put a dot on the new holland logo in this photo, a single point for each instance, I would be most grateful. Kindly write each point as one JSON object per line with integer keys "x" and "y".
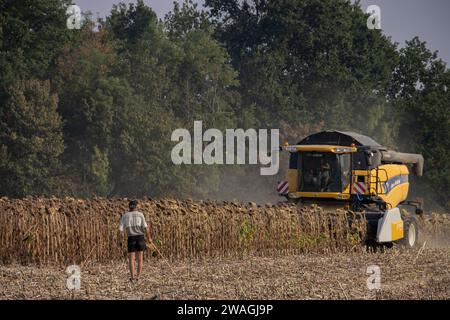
{"x": 394, "y": 182}
{"x": 360, "y": 188}
{"x": 283, "y": 187}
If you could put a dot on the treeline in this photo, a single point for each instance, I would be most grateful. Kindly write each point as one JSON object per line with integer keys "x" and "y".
{"x": 90, "y": 112}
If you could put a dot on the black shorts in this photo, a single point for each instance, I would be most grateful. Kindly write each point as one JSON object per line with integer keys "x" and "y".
{"x": 136, "y": 243}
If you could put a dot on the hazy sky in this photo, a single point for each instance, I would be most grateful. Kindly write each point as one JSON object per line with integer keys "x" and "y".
{"x": 400, "y": 19}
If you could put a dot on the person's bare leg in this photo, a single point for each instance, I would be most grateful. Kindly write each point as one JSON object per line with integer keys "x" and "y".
{"x": 131, "y": 257}
{"x": 140, "y": 255}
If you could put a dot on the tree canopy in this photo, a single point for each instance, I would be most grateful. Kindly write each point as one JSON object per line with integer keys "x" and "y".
{"x": 90, "y": 112}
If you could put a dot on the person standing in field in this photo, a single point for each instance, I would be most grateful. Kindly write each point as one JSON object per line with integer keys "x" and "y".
{"x": 135, "y": 225}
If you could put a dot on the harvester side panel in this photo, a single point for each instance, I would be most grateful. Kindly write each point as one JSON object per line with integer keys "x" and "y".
{"x": 390, "y": 183}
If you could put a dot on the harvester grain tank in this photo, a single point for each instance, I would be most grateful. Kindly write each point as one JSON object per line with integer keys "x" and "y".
{"x": 354, "y": 172}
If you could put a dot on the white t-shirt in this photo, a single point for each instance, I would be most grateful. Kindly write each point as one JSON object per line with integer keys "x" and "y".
{"x": 134, "y": 223}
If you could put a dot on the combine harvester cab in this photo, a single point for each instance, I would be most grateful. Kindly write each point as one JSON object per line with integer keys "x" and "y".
{"x": 353, "y": 172}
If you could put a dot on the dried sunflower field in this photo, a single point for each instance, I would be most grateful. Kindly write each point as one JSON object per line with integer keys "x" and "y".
{"x": 211, "y": 250}
{"x": 43, "y": 231}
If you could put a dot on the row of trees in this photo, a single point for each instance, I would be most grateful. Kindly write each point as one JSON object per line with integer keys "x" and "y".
{"x": 85, "y": 112}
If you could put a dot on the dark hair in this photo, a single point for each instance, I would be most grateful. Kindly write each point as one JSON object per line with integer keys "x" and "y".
{"x": 133, "y": 204}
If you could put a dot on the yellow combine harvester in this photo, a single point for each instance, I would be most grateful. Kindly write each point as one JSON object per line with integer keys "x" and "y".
{"x": 352, "y": 171}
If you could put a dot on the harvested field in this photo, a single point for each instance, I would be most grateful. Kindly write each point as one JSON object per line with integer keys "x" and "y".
{"x": 417, "y": 274}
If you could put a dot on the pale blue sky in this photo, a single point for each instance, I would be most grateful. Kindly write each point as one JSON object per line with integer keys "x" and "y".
{"x": 400, "y": 19}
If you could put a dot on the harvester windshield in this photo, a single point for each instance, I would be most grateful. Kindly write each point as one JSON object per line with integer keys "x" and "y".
{"x": 323, "y": 171}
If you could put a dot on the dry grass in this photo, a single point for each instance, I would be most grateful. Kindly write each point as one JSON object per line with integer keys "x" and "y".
{"x": 64, "y": 231}
{"x": 413, "y": 274}
{"x": 435, "y": 229}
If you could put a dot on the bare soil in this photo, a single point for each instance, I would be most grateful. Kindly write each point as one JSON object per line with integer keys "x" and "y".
{"x": 423, "y": 273}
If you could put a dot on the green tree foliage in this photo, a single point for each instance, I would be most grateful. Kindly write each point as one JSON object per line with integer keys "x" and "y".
{"x": 297, "y": 65}
{"x": 181, "y": 74}
{"x": 31, "y": 140}
{"x": 89, "y": 101}
{"x": 420, "y": 91}
{"x": 305, "y": 61}
{"x": 203, "y": 74}
{"x": 31, "y": 36}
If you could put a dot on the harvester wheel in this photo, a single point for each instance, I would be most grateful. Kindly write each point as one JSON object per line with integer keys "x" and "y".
{"x": 411, "y": 232}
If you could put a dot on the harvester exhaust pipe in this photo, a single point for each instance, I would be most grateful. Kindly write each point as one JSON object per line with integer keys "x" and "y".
{"x": 405, "y": 158}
